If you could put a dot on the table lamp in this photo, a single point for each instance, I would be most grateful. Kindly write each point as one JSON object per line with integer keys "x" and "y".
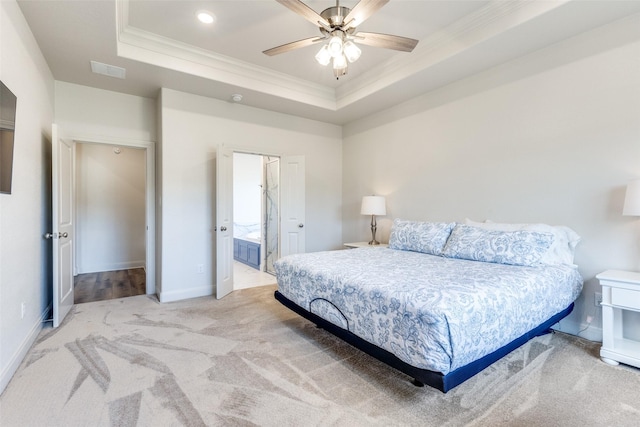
{"x": 373, "y": 205}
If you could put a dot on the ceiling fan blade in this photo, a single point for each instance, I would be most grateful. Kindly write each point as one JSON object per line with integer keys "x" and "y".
{"x": 293, "y": 45}
{"x": 386, "y": 41}
{"x": 305, "y": 11}
{"x": 363, "y": 10}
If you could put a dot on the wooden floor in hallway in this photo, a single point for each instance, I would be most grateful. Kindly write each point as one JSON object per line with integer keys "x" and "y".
{"x": 106, "y": 285}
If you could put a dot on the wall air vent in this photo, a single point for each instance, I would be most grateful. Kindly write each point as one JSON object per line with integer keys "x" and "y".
{"x": 108, "y": 70}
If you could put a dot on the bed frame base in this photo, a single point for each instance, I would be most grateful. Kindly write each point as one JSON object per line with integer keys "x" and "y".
{"x": 421, "y": 377}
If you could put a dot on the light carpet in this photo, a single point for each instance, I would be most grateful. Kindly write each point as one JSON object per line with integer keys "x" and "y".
{"x": 247, "y": 360}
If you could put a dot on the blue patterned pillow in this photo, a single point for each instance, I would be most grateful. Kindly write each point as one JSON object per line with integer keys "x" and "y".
{"x": 502, "y": 247}
{"x": 425, "y": 237}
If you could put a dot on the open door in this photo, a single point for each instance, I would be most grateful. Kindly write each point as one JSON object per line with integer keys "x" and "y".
{"x": 62, "y": 233}
{"x": 224, "y": 222}
{"x": 292, "y": 203}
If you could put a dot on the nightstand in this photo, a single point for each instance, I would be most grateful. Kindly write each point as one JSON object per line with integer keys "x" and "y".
{"x": 365, "y": 245}
{"x": 620, "y": 291}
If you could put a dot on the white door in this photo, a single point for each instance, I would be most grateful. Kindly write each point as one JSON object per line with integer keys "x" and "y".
{"x": 62, "y": 233}
{"x": 292, "y": 205}
{"x": 224, "y": 222}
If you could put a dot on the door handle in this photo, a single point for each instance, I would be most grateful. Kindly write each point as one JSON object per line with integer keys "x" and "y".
{"x": 56, "y": 235}
{"x": 223, "y": 228}
{"x": 301, "y": 225}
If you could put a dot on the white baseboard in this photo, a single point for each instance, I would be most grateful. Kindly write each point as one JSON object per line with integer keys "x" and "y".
{"x": 18, "y": 357}
{"x": 202, "y": 291}
{"x": 587, "y": 331}
{"x": 126, "y": 265}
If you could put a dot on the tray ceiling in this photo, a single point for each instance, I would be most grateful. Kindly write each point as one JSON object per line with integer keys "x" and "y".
{"x": 161, "y": 44}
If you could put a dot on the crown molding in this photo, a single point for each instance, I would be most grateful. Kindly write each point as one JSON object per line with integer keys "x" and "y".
{"x": 493, "y": 19}
{"x": 143, "y": 46}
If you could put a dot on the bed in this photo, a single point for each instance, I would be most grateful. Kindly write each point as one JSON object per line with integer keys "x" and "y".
{"x": 445, "y": 300}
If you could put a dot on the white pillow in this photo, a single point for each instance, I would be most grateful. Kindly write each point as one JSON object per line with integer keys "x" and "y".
{"x": 520, "y": 247}
{"x": 562, "y": 250}
{"x": 417, "y": 236}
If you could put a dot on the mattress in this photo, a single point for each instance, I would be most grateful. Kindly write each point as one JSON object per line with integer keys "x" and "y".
{"x": 431, "y": 312}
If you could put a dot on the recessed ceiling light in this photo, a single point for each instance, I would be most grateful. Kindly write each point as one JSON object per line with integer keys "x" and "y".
{"x": 206, "y": 17}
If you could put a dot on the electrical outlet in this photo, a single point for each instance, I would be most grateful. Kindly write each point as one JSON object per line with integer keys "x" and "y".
{"x": 597, "y": 300}
{"x": 23, "y": 310}
{"x": 200, "y": 268}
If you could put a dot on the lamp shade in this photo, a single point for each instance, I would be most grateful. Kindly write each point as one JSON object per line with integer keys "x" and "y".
{"x": 631, "y": 199}
{"x": 373, "y": 205}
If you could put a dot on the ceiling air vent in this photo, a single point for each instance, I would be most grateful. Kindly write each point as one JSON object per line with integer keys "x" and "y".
{"x": 108, "y": 70}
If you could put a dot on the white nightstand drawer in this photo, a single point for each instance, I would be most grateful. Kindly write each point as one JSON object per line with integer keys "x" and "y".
{"x": 625, "y": 298}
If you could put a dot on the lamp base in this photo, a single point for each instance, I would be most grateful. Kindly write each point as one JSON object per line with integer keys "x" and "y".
{"x": 374, "y": 228}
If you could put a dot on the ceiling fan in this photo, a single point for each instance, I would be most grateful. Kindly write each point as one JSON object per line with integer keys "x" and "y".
{"x": 337, "y": 25}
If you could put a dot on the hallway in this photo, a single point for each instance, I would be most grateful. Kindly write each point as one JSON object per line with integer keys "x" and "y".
{"x": 109, "y": 285}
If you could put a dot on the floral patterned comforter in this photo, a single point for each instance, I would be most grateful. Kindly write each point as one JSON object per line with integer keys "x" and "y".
{"x": 432, "y": 312}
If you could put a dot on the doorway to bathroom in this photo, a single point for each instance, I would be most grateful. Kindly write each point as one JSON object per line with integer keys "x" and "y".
{"x": 256, "y": 214}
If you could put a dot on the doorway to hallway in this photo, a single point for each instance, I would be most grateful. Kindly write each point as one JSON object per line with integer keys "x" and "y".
{"x": 105, "y": 285}
{"x": 110, "y": 221}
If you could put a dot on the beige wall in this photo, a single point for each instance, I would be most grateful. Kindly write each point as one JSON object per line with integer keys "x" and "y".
{"x": 192, "y": 128}
{"x": 84, "y": 112}
{"x": 24, "y": 214}
{"x": 247, "y": 188}
{"x": 110, "y": 208}
{"x": 552, "y": 137}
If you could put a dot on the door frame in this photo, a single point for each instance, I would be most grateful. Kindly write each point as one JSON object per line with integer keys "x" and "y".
{"x": 263, "y": 260}
{"x": 261, "y": 153}
{"x": 263, "y": 203}
{"x": 150, "y": 200}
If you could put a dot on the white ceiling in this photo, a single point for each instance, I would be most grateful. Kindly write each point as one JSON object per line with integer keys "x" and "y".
{"x": 161, "y": 44}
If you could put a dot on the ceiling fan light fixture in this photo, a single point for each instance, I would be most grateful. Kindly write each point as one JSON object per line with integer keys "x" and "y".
{"x": 335, "y": 46}
{"x": 337, "y": 25}
{"x": 323, "y": 56}
{"x": 339, "y": 72}
{"x": 339, "y": 62}
{"x": 351, "y": 51}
